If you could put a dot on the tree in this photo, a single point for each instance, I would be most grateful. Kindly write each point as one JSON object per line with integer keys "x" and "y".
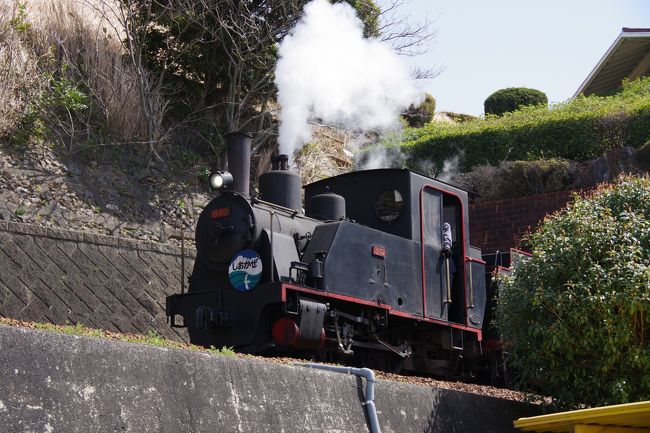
{"x": 218, "y": 56}
{"x": 575, "y": 314}
{"x": 407, "y": 37}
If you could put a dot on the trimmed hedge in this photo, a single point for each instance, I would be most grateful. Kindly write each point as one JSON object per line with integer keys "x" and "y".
{"x": 513, "y": 98}
{"x": 580, "y": 129}
{"x": 575, "y": 314}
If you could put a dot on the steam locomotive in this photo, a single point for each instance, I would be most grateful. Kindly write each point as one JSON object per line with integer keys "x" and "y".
{"x": 362, "y": 274}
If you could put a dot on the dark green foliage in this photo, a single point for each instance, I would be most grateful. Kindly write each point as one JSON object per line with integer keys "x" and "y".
{"x": 210, "y": 53}
{"x": 583, "y": 128}
{"x": 513, "y": 98}
{"x": 417, "y": 117}
{"x": 575, "y": 314}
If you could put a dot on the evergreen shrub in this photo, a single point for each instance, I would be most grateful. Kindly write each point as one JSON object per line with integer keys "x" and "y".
{"x": 575, "y": 315}
{"x": 513, "y": 98}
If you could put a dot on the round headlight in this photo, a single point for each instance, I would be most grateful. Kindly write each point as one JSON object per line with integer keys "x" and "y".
{"x": 220, "y": 180}
{"x": 216, "y": 180}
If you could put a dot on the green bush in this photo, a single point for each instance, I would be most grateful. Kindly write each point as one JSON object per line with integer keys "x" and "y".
{"x": 60, "y": 104}
{"x": 636, "y": 87}
{"x": 575, "y": 314}
{"x": 580, "y": 129}
{"x": 417, "y": 117}
{"x": 512, "y": 99}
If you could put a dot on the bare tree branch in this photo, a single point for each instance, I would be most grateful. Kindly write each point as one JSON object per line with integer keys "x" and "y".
{"x": 407, "y": 37}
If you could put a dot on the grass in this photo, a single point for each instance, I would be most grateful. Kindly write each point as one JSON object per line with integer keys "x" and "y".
{"x": 151, "y": 338}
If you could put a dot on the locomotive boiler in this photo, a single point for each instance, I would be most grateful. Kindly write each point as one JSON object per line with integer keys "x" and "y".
{"x": 363, "y": 273}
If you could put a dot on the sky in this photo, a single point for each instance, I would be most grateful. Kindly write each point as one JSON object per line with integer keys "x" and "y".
{"x": 549, "y": 45}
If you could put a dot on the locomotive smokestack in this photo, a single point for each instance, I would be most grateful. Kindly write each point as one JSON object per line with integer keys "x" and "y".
{"x": 239, "y": 160}
{"x": 280, "y": 162}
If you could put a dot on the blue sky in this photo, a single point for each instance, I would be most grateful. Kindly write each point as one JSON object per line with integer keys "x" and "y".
{"x": 548, "y": 45}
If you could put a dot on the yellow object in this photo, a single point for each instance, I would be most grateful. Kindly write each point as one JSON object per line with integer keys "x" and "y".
{"x": 620, "y": 418}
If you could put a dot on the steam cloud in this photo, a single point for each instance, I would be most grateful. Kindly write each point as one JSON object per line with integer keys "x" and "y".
{"x": 328, "y": 71}
{"x": 450, "y": 167}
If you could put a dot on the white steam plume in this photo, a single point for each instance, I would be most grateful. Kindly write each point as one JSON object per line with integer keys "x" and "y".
{"x": 450, "y": 167}
{"x": 327, "y": 70}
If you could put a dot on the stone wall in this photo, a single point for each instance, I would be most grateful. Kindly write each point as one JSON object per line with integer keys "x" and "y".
{"x": 54, "y": 382}
{"x": 500, "y": 225}
{"x": 115, "y": 197}
{"x": 60, "y": 276}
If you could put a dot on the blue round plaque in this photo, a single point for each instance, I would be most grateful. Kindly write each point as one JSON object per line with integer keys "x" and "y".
{"x": 245, "y": 270}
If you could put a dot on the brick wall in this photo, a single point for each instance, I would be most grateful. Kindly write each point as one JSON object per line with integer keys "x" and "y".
{"x": 60, "y": 276}
{"x": 500, "y": 225}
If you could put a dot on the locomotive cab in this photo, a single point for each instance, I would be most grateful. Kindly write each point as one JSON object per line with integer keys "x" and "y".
{"x": 395, "y": 252}
{"x": 413, "y": 208}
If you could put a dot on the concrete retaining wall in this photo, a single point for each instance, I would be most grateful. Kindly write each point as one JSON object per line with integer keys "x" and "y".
{"x": 60, "y": 383}
{"x": 59, "y": 276}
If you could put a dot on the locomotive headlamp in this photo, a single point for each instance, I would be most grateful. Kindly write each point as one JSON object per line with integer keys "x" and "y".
{"x": 220, "y": 180}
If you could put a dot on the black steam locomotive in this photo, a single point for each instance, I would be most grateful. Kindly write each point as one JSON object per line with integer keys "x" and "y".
{"x": 362, "y": 274}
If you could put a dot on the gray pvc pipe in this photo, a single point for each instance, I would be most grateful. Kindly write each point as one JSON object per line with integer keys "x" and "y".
{"x": 369, "y": 375}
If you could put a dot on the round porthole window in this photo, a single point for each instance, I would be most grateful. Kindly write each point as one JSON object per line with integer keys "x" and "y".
{"x": 389, "y": 206}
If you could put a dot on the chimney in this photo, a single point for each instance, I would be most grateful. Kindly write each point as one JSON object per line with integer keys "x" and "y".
{"x": 280, "y": 162}
{"x": 239, "y": 160}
